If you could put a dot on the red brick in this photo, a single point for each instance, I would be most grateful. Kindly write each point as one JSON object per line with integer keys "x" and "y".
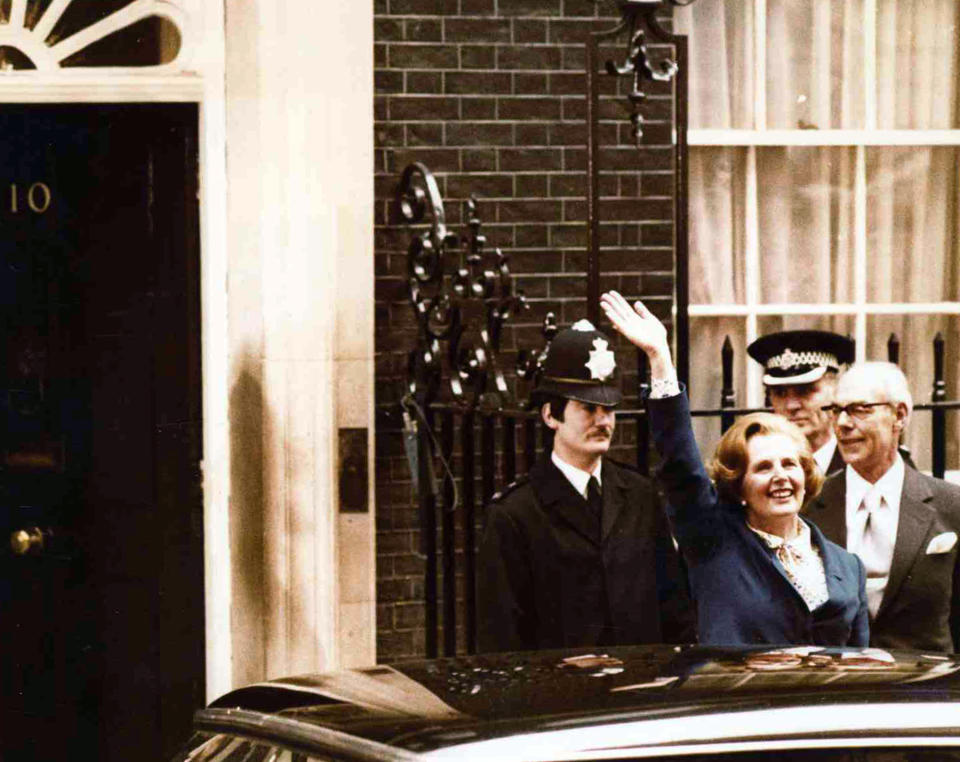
{"x": 628, "y": 185}
{"x": 396, "y": 645}
{"x": 534, "y": 57}
{"x": 388, "y": 81}
{"x": 568, "y": 184}
{"x": 634, "y": 260}
{"x": 575, "y": 31}
{"x": 657, "y": 284}
{"x": 422, "y": 107}
{"x": 568, "y": 234}
{"x": 484, "y": 186}
{"x": 657, "y": 234}
{"x": 657, "y": 184}
{"x": 436, "y": 159}
{"x": 478, "y": 83}
{"x": 530, "y": 159}
{"x": 526, "y": 83}
{"x": 415, "y": 56}
{"x": 579, "y": 8}
{"x": 529, "y": 7}
{"x": 634, "y": 209}
{"x": 476, "y": 30}
{"x": 479, "y": 159}
{"x": 477, "y": 57}
{"x": 535, "y": 261}
{"x": 529, "y": 108}
{"x": 567, "y": 83}
{"x": 530, "y": 134}
{"x": 656, "y": 133}
{"x": 423, "y": 7}
{"x": 529, "y": 211}
{"x": 531, "y": 186}
{"x": 387, "y": 30}
{"x": 389, "y": 134}
{"x": 424, "y": 81}
{"x": 479, "y": 134}
{"x": 529, "y": 30}
{"x": 423, "y": 30}
{"x": 478, "y": 108}
{"x": 390, "y": 590}
{"x": 573, "y": 57}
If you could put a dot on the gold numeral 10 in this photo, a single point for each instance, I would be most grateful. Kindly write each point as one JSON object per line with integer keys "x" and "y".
{"x": 38, "y": 198}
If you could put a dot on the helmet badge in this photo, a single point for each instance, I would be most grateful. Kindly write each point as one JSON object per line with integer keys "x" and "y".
{"x": 602, "y": 361}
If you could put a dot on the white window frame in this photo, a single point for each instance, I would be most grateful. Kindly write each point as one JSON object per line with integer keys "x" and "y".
{"x": 859, "y": 139}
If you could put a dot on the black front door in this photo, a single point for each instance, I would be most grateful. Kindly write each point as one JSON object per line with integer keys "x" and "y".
{"x": 101, "y": 569}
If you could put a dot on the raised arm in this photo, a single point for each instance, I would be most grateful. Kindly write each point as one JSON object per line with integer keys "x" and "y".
{"x": 642, "y": 328}
{"x": 693, "y": 502}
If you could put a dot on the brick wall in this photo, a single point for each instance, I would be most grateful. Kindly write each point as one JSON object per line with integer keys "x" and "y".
{"x": 489, "y": 94}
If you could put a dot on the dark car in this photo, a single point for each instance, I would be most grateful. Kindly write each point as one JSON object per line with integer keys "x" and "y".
{"x": 662, "y": 702}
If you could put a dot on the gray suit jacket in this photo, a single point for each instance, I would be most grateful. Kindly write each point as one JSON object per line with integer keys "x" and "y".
{"x": 921, "y": 604}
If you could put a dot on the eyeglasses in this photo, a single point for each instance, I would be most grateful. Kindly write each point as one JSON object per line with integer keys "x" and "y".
{"x": 857, "y": 410}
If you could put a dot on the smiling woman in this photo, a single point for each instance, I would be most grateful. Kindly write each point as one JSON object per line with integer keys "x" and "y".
{"x": 758, "y": 571}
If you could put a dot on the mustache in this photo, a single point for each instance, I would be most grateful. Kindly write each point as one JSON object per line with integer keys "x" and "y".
{"x": 607, "y": 431}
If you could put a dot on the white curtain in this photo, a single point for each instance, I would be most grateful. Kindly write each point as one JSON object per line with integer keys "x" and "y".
{"x": 814, "y": 60}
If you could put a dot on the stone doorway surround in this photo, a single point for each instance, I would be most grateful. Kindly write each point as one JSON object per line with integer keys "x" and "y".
{"x": 286, "y": 209}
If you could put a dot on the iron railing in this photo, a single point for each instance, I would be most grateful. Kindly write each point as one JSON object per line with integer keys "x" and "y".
{"x": 462, "y": 295}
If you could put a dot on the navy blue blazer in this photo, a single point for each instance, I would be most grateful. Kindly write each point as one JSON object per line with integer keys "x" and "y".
{"x": 741, "y": 590}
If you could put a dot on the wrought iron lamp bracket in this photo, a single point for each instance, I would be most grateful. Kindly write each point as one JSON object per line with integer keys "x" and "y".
{"x": 529, "y": 364}
{"x": 464, "y": 309}
{"x": 639, "y": 18}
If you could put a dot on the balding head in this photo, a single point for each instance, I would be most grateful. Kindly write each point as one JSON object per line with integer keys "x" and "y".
{"x": 876, "y": 405}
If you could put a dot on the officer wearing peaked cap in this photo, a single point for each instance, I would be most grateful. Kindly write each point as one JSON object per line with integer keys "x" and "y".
{"x": 800, "y": 375}
{"x": 579, "y": 553}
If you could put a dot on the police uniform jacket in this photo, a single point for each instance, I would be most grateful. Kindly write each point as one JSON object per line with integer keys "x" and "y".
{"x": 552, "y": 575}
{"x": 741, "y": 590}
{"x": 921, "y": 603}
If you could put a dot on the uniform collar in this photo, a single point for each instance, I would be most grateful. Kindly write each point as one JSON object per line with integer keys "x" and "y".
{"x": 576, "y": 476}
{"x": 824, "y": 454}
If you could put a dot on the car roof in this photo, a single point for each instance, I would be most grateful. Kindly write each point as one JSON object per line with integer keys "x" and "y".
{"x": 646, "y": 699}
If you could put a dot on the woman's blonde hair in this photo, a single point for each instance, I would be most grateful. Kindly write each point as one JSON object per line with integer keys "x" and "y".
{"x": 729, "y": 463}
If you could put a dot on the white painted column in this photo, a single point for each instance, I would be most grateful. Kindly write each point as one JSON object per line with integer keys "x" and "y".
{"x": 299, "y": 147}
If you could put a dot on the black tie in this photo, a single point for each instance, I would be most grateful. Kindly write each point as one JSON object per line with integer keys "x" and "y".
{"x": 594, "y": 498}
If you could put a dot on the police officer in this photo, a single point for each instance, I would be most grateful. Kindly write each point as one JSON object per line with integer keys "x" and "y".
{"x": 800, "y": 375}
{"x": 579, "y": 553}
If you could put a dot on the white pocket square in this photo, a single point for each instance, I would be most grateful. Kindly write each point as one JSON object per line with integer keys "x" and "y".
{"x": 942, "y": 543}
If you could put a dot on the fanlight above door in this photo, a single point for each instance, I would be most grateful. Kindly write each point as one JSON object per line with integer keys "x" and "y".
{"x": 63, "y": 35}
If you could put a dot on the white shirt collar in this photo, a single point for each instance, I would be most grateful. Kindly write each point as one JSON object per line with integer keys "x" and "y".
{"x": 824, "y": 454}
{"x": 889, "y": 487}
{"x": 802, "y": 541}
{"x": 577, "y": 477}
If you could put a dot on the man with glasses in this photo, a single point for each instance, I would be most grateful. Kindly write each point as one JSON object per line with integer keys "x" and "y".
{"x": 800, "y": 374}
{"x": 903, "y": 525}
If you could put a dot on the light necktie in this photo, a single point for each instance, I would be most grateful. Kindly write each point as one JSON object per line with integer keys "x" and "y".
{"x": 876, "y": 550}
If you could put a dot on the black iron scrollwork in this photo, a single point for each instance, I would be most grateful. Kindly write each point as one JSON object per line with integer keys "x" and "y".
{"x": 530, "y": 364}
{"x": 465, "y": 309}
{"x": 636, "y": 16}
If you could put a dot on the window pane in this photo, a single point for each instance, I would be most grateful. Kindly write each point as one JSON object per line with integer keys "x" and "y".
{"x": 916, "y": 334}
{"x": 912, "y": 244}
{"x": 917, "y": 43}
{"x": 706, "y": 372}
{"x": 721, "y": 48}
{"x": 815, "y": 64}
{"x": 717, "y": 177}
{"x": 806, "y": 224}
